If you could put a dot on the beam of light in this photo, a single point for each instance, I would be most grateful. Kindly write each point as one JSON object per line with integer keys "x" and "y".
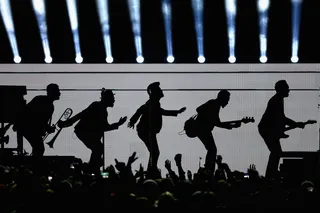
{"x": 263, "y": 9}
{"x": 231, "y": 11}
{"x": 296, "y": 16}
{"x": 167, "y": 15}
{"x": 134, "y": 9}
{"x": 73, "y": 17}
{"x": 197, "y": 6}
{"x": 5, "y": 9}
{"x": 39, "y": 8}
{"x": 103, "y": 12}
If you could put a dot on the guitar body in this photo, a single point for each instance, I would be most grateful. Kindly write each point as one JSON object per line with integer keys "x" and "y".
{"x": 190, "y": 127}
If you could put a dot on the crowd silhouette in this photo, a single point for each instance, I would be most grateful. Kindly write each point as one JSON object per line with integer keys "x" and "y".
{"x": 83, "y": 187}
{"x": 118, "y": 188}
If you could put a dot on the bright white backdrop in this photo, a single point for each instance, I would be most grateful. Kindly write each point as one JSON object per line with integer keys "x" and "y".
{"x": 188, "y": 85}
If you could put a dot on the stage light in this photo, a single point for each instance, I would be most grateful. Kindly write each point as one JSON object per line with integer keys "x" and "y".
{"x": 167, "y": 16}
{"x": 73, "y": 18}
{"x": 295, "y": 18}
{"x": 231, "y": 11}
{"x": 201, "y": 59}
{"x": 140, "y": 59}
{"x": 197, "y": 6}
{"x": 170, "y": 59}
{"x": 103, "y": 12}
{"x": 294, "y": 59}
{"x": 79, "y": 59}
{"x": 134, "y": 10}
{"x": 17, "y": 59}
{"x": 48, "y": 59}
{"x": 232, "y": 59}
{"x": 39, "y": 8}
{"x": 109, "y": 59}
{"x": 5, "y": 11}
{"x": 263, "y": 59}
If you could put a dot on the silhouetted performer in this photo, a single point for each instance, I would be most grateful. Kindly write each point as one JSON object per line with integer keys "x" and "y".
{"x": 207, "y": 119}
{"x": 150, "y": 123}
{"x": 35, "y": 120}
{"x": 272, "y": 126}
{"x": 93, "y": 122}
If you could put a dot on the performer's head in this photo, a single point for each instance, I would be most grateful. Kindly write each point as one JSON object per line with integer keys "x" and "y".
{"x": 155, "y": 91}
{"x": 107, "y": 97}
{"x": 223, "y": 97}
{"x": 53, "y": 91}
{"x": 282, "y": 88}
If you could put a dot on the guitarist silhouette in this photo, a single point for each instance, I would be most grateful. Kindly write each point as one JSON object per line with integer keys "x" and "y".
{"x": 206, "y": 120}
{"x": 273, "y": 125}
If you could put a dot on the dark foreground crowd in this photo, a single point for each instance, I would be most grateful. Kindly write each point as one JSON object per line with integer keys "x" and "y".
{"x": 73, "y": 189}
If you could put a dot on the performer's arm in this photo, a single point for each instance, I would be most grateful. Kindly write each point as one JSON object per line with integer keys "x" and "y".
{"x": 172, "y": 112}
{"x": 137, "y": 115}
{"x": 169, "y": 112}
{"x": 221, "y": 124}
{"x": 290, "y": 122}
{"x": 110, "y": 127}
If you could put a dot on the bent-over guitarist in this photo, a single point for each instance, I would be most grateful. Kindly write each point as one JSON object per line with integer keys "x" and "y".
{"x": 207, "y": 119}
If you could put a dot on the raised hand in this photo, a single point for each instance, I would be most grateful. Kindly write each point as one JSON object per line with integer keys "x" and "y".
{"x": 132, "y": 158}
{"x": 141, "y": 170}
{"x": 189, "y": 174}
{"x": 182, "y": 110}
{"x": 177, "y": 158}
{"x": 122, "y": 120}
{"x": 167, "y": 164}
{"x": 119, "y": 165}
{"x": 252, "y": 171}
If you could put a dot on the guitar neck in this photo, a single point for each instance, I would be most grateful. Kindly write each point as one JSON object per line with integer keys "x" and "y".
{"x": 293, "y": 127}
{"x": 231, "y": 122}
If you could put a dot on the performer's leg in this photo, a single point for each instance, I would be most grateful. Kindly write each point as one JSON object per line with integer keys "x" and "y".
{"x": 274, "y": 147}
{"x": 274, "y": 157}
{"x": 150, "y": 140}
{"x": 207, "y": 139}
{"x": 96, "y": 160}
{"x": 96, "y": 147}
{"x": 36, "y": 143}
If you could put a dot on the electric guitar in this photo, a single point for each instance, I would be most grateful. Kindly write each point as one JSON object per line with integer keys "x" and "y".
{"x": 191, "y": 125}
{"x": 293, "y": 127}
